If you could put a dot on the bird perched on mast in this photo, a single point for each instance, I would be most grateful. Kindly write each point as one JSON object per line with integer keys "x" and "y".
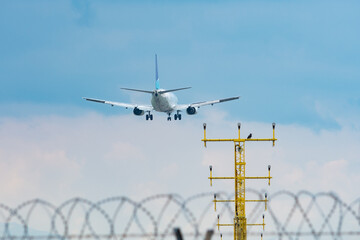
{"x": 250, "y": 136}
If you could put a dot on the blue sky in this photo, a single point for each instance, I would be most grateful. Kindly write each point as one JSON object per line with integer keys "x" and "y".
{"x": 282, "y": 57}
{"x": 293, "y": 62}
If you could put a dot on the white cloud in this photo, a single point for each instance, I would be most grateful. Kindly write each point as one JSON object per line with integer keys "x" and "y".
{"x": 121, "y": 151}
{"x": 94, "y": 156}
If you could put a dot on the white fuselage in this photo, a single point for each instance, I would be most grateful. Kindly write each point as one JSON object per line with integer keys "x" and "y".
{"x": 165, "y": 102}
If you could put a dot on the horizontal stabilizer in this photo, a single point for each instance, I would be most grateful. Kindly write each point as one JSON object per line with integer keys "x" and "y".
{"x": 173, "y": 90}
{"x": 137, "y": 90}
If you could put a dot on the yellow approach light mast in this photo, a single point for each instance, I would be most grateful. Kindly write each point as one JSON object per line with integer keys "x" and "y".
{"x": 240, "y": 223}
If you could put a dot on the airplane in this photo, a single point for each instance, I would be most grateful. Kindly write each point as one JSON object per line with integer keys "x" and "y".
{"x": 161, "y": 101}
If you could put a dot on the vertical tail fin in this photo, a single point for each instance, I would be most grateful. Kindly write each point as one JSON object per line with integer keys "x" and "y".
{"x": 157, "y": 82}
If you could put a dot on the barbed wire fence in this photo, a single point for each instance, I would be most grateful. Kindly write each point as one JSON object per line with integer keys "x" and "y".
{"x": 290, "y": 216}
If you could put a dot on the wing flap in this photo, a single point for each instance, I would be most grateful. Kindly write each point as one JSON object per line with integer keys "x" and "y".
{"x": 204, "y": 103}
{"x": 200, "y": 104}
{"x": 119, "y": 104}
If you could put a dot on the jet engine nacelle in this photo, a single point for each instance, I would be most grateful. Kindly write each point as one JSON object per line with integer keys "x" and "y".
{"x": 138, "y": 112}
{"x": 191, "y": 110}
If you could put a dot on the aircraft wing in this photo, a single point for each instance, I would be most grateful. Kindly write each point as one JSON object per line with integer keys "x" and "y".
{"x": 200, "y": 104}
{"x": 118, "y": 104}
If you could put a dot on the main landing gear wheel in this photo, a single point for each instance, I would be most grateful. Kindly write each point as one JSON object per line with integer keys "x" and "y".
{"x": 177, "y": 116}
{"x": 149, "y": 116}
{"x": 169, "y": 118}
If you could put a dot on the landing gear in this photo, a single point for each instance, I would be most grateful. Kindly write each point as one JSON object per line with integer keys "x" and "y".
{"x": 149, "y": 116}
{"x": 177, "y": 116}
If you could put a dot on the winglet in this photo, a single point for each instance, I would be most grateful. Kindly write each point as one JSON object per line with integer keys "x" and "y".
{"x": 157, "y": 82}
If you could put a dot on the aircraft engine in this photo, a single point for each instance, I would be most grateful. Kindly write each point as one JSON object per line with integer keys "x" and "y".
{"x": 138, "y": 112}
{"x": 191, "y": 110}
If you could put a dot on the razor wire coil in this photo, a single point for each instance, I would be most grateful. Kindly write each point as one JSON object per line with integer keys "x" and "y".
{"x": 290, "y": 216}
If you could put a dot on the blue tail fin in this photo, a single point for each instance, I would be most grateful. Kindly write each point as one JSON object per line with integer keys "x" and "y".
{"x": 157, "y": 82}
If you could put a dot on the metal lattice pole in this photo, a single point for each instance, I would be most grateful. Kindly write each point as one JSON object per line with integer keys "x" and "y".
{"x": 240, "y": 224}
